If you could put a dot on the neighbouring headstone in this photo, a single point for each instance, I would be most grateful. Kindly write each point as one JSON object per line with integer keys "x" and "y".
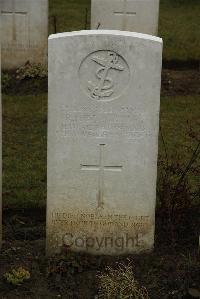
{"x": 129, "y": 15}
{"x": 103, "y": 122}
{"x": 24, "y": 32}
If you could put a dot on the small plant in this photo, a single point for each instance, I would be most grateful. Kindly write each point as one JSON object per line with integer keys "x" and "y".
{"x": 17, "y": 276}
{"x": 5, "y": 80}
{"x": 30, "y": 71}
{"x": 120, "y": 283}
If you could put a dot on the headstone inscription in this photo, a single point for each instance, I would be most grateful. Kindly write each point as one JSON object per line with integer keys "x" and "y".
{"x": 24, "y": 32}
{"x": 130, "y": 15}
{"x": 102, "y": 141}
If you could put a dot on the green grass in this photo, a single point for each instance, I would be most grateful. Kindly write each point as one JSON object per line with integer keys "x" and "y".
{"x": 177, "y": 116}
{"x": 178, "y": 26}
{"x": 70, "y": 14}
{"x": 24, "y": 143}
{"x": 24, "y": 150}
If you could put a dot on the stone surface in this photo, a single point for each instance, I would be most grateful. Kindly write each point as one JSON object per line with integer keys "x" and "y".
{"x": 130, "y": 15}
{"x": 104, "y": 95}
{"x": 24, "y": 32}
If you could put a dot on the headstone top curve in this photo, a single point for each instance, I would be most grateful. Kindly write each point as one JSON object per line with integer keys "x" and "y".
{"x": 107, "y": 32}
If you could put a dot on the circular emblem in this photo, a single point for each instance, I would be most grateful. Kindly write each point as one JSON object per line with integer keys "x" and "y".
{"x": 104, "y": 75}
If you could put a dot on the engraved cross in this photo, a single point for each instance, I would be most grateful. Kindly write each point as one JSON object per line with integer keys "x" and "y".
{"x": 101, "y": 168}
{"x": 125, "y": 14}
{"x": 13, "y": 14}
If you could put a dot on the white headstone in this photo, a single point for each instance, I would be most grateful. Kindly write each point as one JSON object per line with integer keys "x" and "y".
{"x": 24, "y": 32}
{"x": 131, "y": 15}
{"x": 103, "y": 122}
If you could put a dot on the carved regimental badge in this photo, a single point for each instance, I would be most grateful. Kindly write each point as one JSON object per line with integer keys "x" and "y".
{"x": 104, "y": 75}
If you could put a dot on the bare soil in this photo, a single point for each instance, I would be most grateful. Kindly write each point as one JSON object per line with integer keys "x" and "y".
{"x": 169, "y": 272}
{"x": 180, "y": 82}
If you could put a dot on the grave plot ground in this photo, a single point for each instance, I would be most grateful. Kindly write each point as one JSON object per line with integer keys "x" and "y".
{"x": 169, "y": 272}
